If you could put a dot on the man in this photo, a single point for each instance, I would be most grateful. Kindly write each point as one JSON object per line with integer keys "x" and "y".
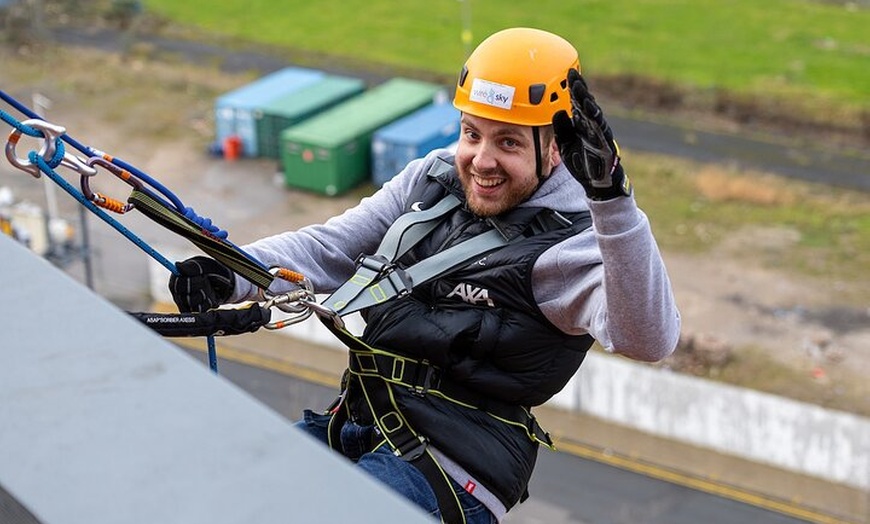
{"x": 439, "y": 388}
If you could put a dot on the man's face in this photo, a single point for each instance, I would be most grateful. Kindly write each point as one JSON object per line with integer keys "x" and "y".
{"x": 496, "y": 164}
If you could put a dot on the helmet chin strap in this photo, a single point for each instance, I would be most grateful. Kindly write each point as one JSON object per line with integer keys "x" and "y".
{"x": 539, "y": 162}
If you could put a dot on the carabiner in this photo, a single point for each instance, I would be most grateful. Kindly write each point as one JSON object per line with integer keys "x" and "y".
{"x": 305, "y": 288}
{"x": 294, "y": 297}
{"x": 51, "y": 134}
{"x": 283, "y": 302}
{"x": 46, "y": 151}
{"x": 289, "y": 321}
{"x": 102, "y": 200}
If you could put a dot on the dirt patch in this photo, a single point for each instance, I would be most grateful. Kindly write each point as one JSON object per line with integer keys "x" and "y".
{"x": 747, "y": 325}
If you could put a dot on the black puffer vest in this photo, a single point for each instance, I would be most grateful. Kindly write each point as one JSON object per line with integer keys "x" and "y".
{"x": 481, "y": 325}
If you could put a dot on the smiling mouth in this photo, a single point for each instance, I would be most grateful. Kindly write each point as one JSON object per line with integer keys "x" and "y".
{"x": 488, "y": 182}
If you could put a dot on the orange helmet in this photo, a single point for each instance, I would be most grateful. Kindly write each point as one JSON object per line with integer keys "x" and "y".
{"x": 517, "y": 76}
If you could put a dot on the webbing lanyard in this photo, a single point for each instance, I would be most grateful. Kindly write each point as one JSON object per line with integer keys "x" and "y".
{"x": 378, "y": 278}
{"x": 225, "y": 253}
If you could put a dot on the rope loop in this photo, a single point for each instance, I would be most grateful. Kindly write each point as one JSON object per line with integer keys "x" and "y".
{"x": 52, "y": 162}
{"x": 205, "y": 223}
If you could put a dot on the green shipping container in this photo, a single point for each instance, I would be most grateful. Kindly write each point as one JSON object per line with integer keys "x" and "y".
{"x": 293, "y": 108}
{"x": 331, "y": 153}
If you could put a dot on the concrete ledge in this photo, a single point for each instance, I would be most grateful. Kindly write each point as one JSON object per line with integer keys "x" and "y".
{"x": 103, "y": 421}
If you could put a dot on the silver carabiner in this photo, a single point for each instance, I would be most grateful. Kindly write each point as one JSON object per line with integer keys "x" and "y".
{"x": 289, "y": 303}
{"x": 304, "y": 291}
{"x": 50, "y": 134}
{"x": 325, "y": 312}
{"x": 302, "y": 303}
{"x": 289, "y": 321}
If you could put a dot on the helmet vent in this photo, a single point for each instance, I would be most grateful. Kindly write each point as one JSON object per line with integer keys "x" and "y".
{"x": 554, "y": 96}
{"x": 536, "y": 93}
{"x": 463, "y": 75}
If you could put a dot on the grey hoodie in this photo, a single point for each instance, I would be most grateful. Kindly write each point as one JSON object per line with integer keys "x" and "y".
{"x": 609, "y": 281}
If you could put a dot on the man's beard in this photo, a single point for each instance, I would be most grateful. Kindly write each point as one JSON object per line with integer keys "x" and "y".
{"x": 514, "y": 196}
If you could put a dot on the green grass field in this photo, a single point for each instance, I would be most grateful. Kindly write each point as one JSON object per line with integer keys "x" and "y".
{"x": 815, "y": 52}
{"x": 810, "y": 51}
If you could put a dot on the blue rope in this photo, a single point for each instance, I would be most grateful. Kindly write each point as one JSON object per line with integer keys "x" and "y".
{"x": 49, "y": 171}
{"x": 25, "y": 129}
{"x": 176, "y": 202}
{"x": 47, "y": 167}
{"x": 188, "y": 212}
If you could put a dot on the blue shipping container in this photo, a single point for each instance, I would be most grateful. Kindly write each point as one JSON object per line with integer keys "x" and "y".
{"x": 235, "y": 111}
{"x": 394, "y": 145}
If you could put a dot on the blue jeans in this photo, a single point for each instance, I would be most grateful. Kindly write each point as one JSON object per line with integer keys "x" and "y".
{"x": 391, "y": 470}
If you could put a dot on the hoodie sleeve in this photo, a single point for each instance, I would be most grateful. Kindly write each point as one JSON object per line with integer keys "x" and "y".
{"x": 611, "y": 282}
{"x": 326, "y": 253}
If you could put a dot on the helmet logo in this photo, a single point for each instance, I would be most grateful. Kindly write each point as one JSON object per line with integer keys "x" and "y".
{"x": 492, "y": 94}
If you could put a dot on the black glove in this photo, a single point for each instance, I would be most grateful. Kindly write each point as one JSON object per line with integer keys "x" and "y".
{"x": 202, "y": 283}
{"x": 587, "y": 146}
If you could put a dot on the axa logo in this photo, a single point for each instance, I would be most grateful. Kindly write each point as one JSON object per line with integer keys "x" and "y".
{"x": 471, "y": 294}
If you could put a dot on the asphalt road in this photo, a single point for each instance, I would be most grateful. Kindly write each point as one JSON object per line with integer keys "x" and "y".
{"x": 566, "y": 489}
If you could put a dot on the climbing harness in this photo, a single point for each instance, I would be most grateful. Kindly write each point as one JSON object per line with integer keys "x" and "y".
{"x": 162, "y": 206}
{"x": 375, "y": 375}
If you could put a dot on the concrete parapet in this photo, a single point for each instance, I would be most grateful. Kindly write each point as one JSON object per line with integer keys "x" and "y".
{"x": 749, "y": 424}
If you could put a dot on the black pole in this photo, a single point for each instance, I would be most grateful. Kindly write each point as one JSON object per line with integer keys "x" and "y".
{"x": 86, "y": 248}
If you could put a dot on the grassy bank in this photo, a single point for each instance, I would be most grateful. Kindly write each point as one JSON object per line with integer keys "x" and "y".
{"x": 812, "y": 55}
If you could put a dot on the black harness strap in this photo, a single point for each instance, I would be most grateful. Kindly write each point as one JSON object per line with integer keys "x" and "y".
{"x": 397, "y": 433}
{"x": 422, "y": 378}
{"x": 373, "y": 373}
{"x": 410, "y": 446}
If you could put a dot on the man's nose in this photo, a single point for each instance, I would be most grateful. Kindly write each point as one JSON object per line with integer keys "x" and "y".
{"x": 484, "y": 157}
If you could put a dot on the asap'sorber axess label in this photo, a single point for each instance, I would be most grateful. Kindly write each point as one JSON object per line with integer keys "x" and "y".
{"x": 179, "y": 319}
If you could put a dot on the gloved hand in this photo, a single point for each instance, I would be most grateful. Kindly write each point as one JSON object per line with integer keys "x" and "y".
{"x": 202, "y": 283}
{"x": 586, "y": 144}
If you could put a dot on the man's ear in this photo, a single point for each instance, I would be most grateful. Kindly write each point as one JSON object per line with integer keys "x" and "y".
{"x": 555, "y": 157}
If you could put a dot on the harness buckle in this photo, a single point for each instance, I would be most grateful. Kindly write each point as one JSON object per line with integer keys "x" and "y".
{"x": 413, "y": 449}
{"x": 431, "y": 377}
{"x": 380, "y": 264}
{"x": 400, "y": 280}
{"x": 538, "y": 432}
{"x": 384, "y": 269}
